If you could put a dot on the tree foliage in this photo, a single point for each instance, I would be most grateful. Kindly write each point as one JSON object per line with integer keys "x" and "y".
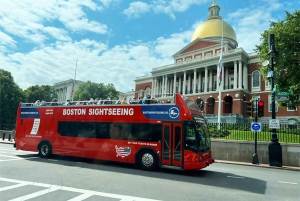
{"x": 10, "y": 97}
{"x": 89, "y": 89}
{"x": 287, "y": 61}
{"x": 44, "y": 92}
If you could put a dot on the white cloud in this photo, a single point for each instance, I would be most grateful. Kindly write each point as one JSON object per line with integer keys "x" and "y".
{"x": 161, "y": 6}
{"x": 6, "y": 39}
{"x": 136, "y": 8}
{"x": 107, "y": 3}
{"x": 25, "y": 19}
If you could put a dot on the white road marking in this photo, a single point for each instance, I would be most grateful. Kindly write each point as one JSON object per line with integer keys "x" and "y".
{"x": 18, "y": 151}
{"x": 36, "y": 194}
{"x": 50, "y": 188}
{"x": 235, "y": 177}
{"x": 9, "y": 156}
{"x": 285, "y": 182}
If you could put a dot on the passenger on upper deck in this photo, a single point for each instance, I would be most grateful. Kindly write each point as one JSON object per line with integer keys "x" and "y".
{"x": 54, "y": 102}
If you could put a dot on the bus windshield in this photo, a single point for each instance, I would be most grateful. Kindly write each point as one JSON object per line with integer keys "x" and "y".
{"x": 203, "y": 132}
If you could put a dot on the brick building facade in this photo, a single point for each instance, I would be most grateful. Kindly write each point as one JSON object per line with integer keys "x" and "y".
{"x": 194, "y": 74}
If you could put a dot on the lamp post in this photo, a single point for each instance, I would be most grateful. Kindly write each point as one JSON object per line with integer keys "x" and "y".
{"x": 275, "y": 150}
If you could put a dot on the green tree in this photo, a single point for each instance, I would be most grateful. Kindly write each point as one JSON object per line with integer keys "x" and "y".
{"x": 44, "y": 92}
{"x": 287, "y": 61}
{"x": 10, "y": 97}
{"x": 89, "y": 89}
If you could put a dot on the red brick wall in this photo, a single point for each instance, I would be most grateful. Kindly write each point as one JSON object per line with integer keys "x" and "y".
{"x": 199, "y": 45}
{"x": 143, "y": 86}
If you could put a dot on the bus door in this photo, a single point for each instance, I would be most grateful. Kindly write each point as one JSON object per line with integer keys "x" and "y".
{"x": 172, "y": 144}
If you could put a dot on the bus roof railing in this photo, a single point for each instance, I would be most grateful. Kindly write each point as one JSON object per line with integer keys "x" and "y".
{"x": 93, "y": 103}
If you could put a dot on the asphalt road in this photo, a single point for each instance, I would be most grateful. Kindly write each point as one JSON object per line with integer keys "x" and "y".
{"x": 65, "y": 178}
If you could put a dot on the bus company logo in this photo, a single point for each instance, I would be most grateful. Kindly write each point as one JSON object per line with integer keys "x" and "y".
{"x": 173, "y": 112}
{"x": 22, "y": 143}
{"x": 123, "y": 151}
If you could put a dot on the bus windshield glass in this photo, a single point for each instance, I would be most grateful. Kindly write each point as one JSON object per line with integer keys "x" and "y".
{"x": 203, "y": 133}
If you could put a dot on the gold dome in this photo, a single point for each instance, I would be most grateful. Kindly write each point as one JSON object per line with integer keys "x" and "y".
{"x": 213, "y": 28}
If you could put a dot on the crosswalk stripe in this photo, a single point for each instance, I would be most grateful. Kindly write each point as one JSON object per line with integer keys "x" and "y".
{"x": 12, "y": 187}
{"x": 36, "y": 194}
{"x": 50, "y": 188}
{"x": 9, "y": 156}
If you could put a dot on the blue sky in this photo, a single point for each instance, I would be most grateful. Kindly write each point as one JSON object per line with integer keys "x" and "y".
{"x": 115, "y": 41}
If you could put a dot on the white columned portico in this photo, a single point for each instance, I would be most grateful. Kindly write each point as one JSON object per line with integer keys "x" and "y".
{"x": 166, "y": 86}
{"x": 205, "y": 80}
{"x": 235, "y": 75}
{"x": 226, "y": 78}
{"x": 240, "y": 74}
{"x": 245, "y": 76}
{"x": 174, "y": 84}
{"x": 163, "y": 86}
{"x": 223, "y": 77}
{"x": 188, "y": 83}
{"x": 184, "y": 81}
{"x": 195, "y": 79}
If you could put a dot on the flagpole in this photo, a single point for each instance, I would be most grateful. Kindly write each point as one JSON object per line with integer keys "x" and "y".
{"x": 220, "y": 70}
{"x": 74, "y": 80}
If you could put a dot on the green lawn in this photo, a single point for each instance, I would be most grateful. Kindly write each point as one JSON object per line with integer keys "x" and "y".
{"x": 261, "y": 136}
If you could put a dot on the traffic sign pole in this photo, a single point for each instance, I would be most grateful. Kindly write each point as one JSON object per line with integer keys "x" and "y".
{"x": 255, "y": 156}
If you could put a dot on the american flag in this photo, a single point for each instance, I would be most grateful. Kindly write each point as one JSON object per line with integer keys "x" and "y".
{"x": 123, "y": 151}
{"x": 72, "y": 91}
{"x": 220, "y": 69}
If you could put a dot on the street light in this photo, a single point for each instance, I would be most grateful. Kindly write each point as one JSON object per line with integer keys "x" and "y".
{"x": 275, "y": 150}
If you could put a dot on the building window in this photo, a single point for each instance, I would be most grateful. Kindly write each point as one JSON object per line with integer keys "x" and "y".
{"x": 270, "y": 104}
{"x": 256, "y": 81}
{"x": 147, "y": 91}
{"x": 291, "y": 108}
{"x": 140, "y": 93}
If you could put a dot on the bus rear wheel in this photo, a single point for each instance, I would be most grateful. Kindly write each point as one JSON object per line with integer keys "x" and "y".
{"x": 147, "y": 160}
{"x": 45, "y": 149}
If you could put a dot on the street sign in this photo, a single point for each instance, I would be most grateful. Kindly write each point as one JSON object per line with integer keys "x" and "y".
{"x": 282, "y": 93}
{"x": 256, "y": 126}
{"x": 282, "y": 98}
{"x": 274, "y": 123}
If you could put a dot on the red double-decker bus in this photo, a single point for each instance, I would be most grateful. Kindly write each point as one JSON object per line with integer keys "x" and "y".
{"x": 173, "y": 135}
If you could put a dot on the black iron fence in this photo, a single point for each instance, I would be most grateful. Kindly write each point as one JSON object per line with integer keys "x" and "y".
{"x": 286, "y": 133}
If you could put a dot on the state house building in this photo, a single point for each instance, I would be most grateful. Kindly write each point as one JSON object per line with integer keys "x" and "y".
{"x": 194, "y": 74}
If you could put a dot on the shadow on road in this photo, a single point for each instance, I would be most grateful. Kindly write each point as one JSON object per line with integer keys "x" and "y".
{"x": 203, "y": 177}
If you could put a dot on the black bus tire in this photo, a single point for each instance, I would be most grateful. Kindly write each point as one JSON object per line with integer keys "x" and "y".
{"x": 147, "y": 160}
{"x": 45, "y": 149}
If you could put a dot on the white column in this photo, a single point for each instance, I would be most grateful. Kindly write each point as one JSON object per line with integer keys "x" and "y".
{"x": 245, "y": 78}
{"x": 205, "y": 80}
{"x": 235, "y": 75}
{"x": 226, "y": 78}
{"x": 174, "y": 84}
{"x": 179, "y": 84}
{"x": 223, "y": 71}
{"x": 199, "y": 82}
{"x": 153, "y": 88}
{"x": 166, "y": 86}
{"x": 240, "y": 74}
{"x": 210, "y": 79}
{"x": 163, "y": 86}
{"x": 195, "y": 79}
{"x": 184, "y": 81}
{"x": 217, "y": 77}
{"x": 188, "y": 83}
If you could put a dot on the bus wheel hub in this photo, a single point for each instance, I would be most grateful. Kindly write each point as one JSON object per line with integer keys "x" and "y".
{"x": 147, "y": 159}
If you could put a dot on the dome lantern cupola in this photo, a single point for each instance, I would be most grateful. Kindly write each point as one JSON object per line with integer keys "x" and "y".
{"x": 213, "y": 11}
{"x": 212, "y": 27}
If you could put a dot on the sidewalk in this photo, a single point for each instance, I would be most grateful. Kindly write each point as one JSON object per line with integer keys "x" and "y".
{"x": 293, "y": 168}
{"x": 6, "y": 141}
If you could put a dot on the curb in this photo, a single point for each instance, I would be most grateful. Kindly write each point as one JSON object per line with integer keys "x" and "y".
{"x": 260, "y": 165}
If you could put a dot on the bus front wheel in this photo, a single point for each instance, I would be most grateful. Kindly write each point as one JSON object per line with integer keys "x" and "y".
{"x": 45, "y": 149}
{"x": 147, "y": 160}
